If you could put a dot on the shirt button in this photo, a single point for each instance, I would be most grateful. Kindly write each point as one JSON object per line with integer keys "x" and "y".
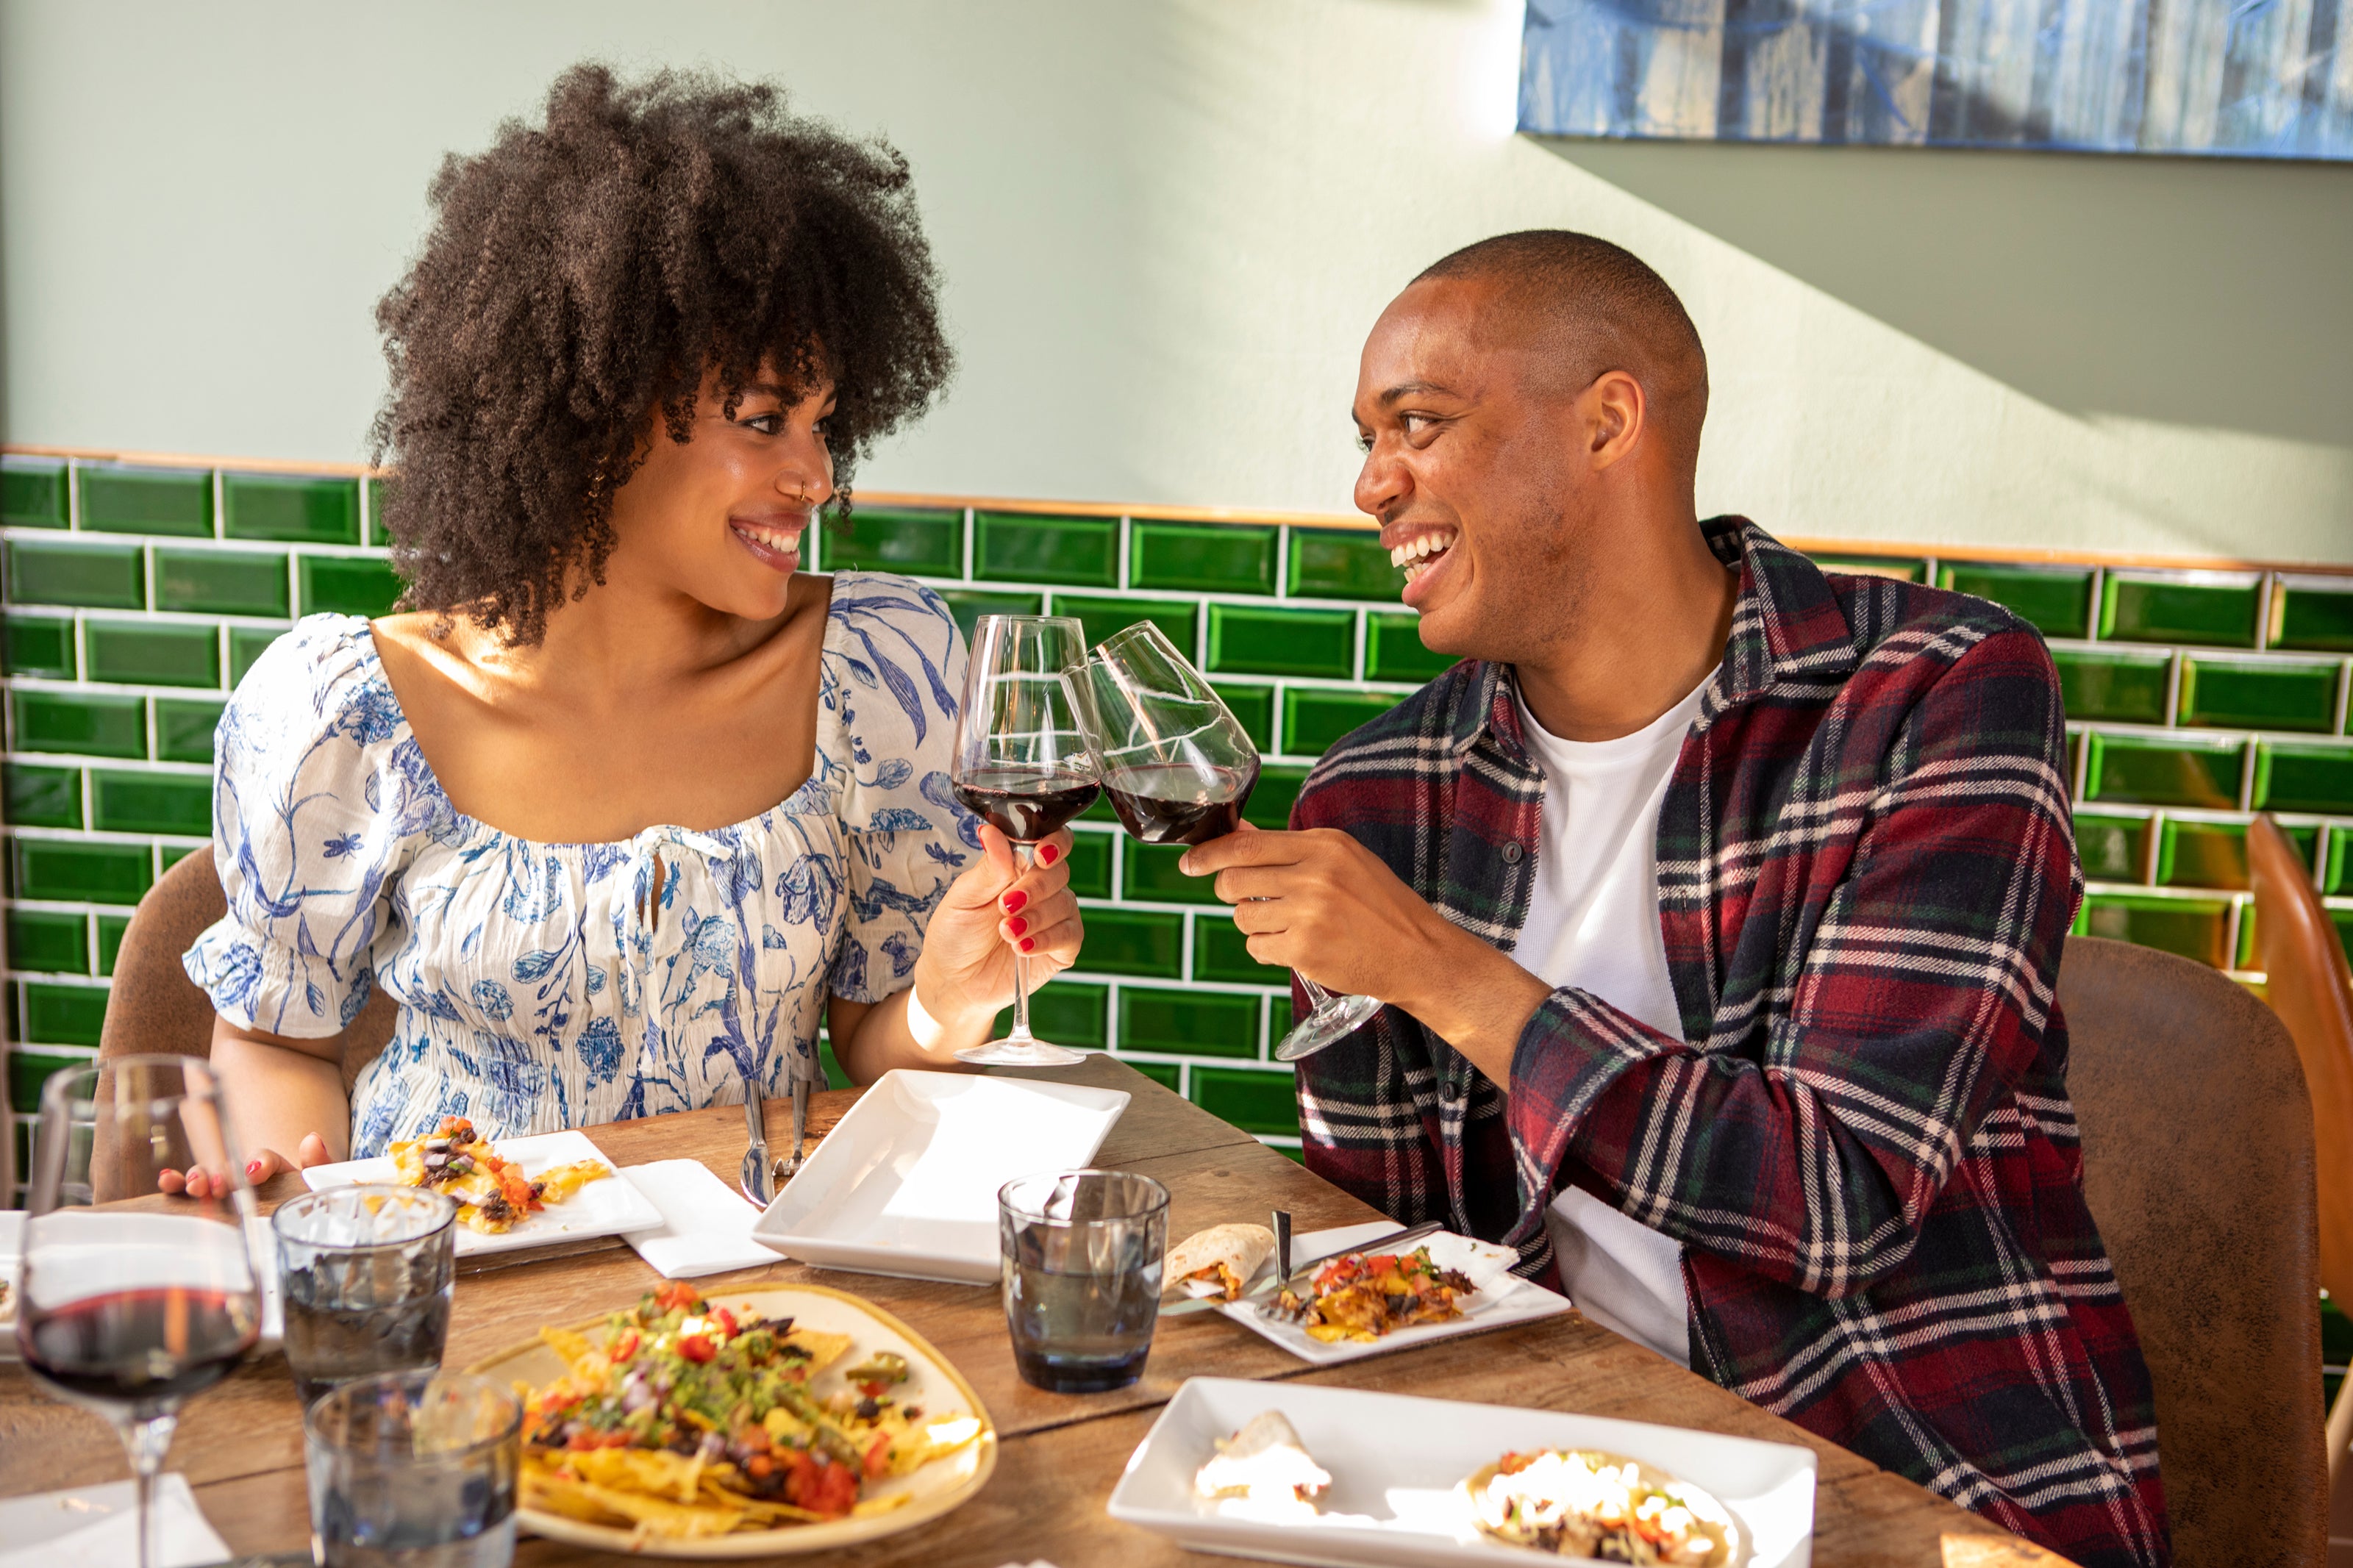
{"x": 1511, "y": 853}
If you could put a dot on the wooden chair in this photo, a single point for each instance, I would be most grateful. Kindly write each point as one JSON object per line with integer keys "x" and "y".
{"x": 154, "y": 1006}
{"x": 2311, "y": 988}
{"x": 2198, "y": 1164}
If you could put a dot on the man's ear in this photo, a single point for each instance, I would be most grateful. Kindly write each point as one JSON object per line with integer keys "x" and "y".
{"x": 1614, "y": 413}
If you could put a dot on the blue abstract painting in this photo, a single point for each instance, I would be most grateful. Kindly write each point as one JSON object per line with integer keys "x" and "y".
{"x": 2251, "y": 78}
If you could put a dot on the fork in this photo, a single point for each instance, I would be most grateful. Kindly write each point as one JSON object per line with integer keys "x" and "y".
{"x": 787, "y": 1168}
{"x": 755, "y": 1179}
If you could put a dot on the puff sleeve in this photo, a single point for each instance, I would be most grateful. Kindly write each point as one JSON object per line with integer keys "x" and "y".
{"x": 895, "y": 671}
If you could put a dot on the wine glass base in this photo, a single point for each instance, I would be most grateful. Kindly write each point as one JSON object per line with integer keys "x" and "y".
{"x": 1327, "y": 1025}
{"x": 1019, "y": 1054}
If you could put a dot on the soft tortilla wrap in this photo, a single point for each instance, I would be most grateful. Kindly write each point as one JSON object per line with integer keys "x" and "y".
{"x": 1730, "y": 1554}
{"x": 1243, "y": 1249}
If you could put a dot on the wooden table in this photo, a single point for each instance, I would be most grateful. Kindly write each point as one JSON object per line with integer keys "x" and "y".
{"x": 241, "y": 1444}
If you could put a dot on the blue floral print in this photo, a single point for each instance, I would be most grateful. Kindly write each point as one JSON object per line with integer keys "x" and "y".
{"x": 544, "y": 985}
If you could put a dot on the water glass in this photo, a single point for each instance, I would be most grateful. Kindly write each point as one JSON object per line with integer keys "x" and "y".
{"x": 414, "y": 1470}
{"x": 1082, "y": 1254}
{"x": 367, "y": 1273}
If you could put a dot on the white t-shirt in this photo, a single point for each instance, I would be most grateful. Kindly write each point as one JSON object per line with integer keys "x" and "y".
{"x": 1593, "y": 923}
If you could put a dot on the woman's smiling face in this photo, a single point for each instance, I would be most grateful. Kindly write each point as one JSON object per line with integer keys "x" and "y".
{"x": 720, "y": 518}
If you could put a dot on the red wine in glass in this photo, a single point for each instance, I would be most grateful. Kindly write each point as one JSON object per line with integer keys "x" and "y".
{"x": 1022, "y": 804}
{"x": 139, "y": 1351}
{"x": 1180, "y": 802}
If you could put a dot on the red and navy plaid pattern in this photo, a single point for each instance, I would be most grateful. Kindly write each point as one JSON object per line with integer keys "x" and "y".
{"x": 1866, "y": 868}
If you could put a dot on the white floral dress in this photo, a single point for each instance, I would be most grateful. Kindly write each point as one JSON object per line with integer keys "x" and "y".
{"x": 548, "y": 986}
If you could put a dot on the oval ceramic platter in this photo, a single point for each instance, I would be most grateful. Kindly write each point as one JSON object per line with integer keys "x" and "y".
{"x": 944, "y": 1484}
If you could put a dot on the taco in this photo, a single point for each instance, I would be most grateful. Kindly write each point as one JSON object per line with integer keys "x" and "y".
{"x": 1583, "y": 1503}
{"x": 1222, "y": 1257}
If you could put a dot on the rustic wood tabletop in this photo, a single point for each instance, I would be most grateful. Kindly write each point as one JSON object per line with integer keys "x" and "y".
{"x": 241, "y": 1448}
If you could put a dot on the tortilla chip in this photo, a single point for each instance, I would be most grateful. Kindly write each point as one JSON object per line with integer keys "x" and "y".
{"x": 657, "y": 1516}
{"x": 573, "y": 1348}
{"x": 823, "y": 1349}
{"x": 875, "y": 1505}
{"x": 655, "y": 1472}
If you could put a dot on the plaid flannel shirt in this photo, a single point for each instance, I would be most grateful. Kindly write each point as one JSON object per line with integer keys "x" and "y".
{"x": 1862, "y": 1137}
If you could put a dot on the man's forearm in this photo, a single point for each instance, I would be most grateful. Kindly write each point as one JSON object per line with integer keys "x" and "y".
{"x": 1474, "y": 997}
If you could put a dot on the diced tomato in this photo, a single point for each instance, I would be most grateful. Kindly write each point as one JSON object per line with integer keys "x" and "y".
{"x": 759, "y": 1467}
{"x": 614, "y": 1440}
{"x": 877, "y": 1458}
{"x": 580, "y": 1442}
{"x": 754, "y": 1439}
{"x": 625, "y": 1346}
{"x": 871, "y": 1390}
{"x": 696, "y": 1347}
{"x": 727, "y": 1320}
{"x": 677, "y": 1296}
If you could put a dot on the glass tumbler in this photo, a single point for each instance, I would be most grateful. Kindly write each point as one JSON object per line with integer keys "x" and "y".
{"x": 1082, "y": 1254}
{"x": 414, "y": 1470}
{"x": 366, "y": 1273}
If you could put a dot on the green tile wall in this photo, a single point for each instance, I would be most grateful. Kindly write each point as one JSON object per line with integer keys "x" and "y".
{"x": 2194, "y": 699}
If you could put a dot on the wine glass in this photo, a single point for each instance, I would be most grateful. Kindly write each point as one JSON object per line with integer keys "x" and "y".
{"x": 1180, "y": 767}
{"x": 133, "y": 1302}
{"x": 1022, "y": 766}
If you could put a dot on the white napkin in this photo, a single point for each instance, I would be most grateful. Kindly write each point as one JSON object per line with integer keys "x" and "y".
{"x": 98, "y": 1526}
{"x": 706, "y": 1224}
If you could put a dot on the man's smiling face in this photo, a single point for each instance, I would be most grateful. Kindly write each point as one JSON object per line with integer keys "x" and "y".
{"x": 1468, "y": 469}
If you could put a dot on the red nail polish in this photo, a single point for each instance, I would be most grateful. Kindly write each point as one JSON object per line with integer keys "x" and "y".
{"x": 1013, "y": 901}
{"x": 1048, "y": 855}
{"x": 1028, "y": 943}
{"x": 1016, "y": 925}
{"x": 252, "y": 1170}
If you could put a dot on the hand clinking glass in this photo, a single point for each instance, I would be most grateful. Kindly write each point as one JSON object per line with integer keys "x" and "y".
{"x": 1178, "y": 767}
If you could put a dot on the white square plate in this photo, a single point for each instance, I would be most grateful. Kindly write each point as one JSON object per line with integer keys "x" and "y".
{"x": 1499, "y": 1302}
{"x": 1397, "y": 1463}
{"x": 260, "y": 1246}
{"x": 906, "y": 1183}
{"x": 607, "y": 1208}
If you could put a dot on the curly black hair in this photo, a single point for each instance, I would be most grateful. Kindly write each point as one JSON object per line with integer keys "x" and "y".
{"x": 582, "y": 273}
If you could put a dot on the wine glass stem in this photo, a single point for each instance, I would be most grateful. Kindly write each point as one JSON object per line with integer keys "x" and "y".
{"x": 1317, "y": 997}
{"x": 147, "y": 1440}
{"x": 1024, "y": 856}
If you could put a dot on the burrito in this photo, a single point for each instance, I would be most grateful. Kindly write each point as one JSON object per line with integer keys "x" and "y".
{"x": 1576, "y": 1502}
{"x": 1218, "y": 1261}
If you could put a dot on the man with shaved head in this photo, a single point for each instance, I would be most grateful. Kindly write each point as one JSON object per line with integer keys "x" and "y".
{"x": 1717, "y": 902}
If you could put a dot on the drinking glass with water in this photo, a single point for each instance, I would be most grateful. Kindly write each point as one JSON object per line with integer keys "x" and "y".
{"x": 1082, "y": 1254}
{"x": 414, "y": 1470}
{"x": 367, "y": 1273}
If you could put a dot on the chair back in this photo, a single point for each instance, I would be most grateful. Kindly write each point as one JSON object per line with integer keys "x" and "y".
{"x": 154, "y": 1006}
{"x": 2198, "y": 1166}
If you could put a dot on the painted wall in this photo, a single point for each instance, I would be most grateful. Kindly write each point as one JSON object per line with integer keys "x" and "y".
{"x": 1165, "y": 229}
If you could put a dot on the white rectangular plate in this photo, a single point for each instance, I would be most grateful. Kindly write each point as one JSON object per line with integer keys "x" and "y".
{"x": 1397, "y": 1462}
{"x": 1501, "y": 1300}
{"x": 259, "y": 1246}
{"x": 607, "y": 1208}
{"x": 906, "y": 1184}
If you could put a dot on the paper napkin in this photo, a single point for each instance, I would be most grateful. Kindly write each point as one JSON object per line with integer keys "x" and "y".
{"x": 706, "y": 1224}
{"x": 98, "y": 1526}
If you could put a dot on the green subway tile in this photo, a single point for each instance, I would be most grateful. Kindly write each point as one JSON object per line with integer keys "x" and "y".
{"x": 1220, "y": 951}
{"x": 170, "y": 854}
{"x": 1270, "y": 803}
{"x": 1188, "y": 1023}
{"x": 2259, "y": 694}
{"x": 1016, "y": 547}
{"x": 2194, "y": 927}
{"x": 2111, "y": 848}
{"x": 222, "y": 582}
{"x": 152, "y": 653}
{"x": 2318, "y": 615}
{"x": 1222, "y": 558}
{"x": 29, "y": 1071}
{"x": 348, "y": 585}
{"x": 1167, "y": 1075}
{"x": 43, "y": 798}
{"x": 2202, "y": 855}
{"x": 2169, "y": 770}
{"x": 2336, "y": 875}
{"x": 2055, "y": 600}
{"x": 1102, "y": 617}
{"x": 968, "y": 605}
{"x": 103, "y": 577}
{"x": 184, "y": 730}
{"x": 1135, "y": 941}
{"x": 1393, "y": 650}
{"x": 89, "y": 725}
{"x": 152, "y": 803}
{"x": 147, "y": 500}
{"x": 919, "y": 543}
{"x": 1068, "y": 1012}
{"x": 2343, "y": 920}
{"x": 1091, "y": 855}
{"x": 1313, "y": 720}
{"x": 2217, "y": 609}
{"x": 291, "y": 508}
{"x": 65, "y": 868}
{"x": 32, "y": 493}
{"x": 1247, "y": 640}
{"x": 1901, "y": 569}
{"x": 63, "y": 1014}
{"x": 378, "y": 536}
{"x": 1253, "y": 1101}
{"x": 2113, "y": 683}
{"x": 1342, "y": 563}
{"x": 247, "y": 644}
{"x": 1150, "y": 874}
{"x": 1252, "y": 708}
{"x": 110, "y": 940}
{"x": 40, "y": 645}
{"x": 2292, "y": 776}
{"x": 48, "y": 943}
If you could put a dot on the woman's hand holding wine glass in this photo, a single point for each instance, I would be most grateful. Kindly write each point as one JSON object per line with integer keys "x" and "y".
{"x": 998, "y": 912}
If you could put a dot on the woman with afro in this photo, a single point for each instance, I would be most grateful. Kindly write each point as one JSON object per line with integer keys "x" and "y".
{"x": 624, "y": 803}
